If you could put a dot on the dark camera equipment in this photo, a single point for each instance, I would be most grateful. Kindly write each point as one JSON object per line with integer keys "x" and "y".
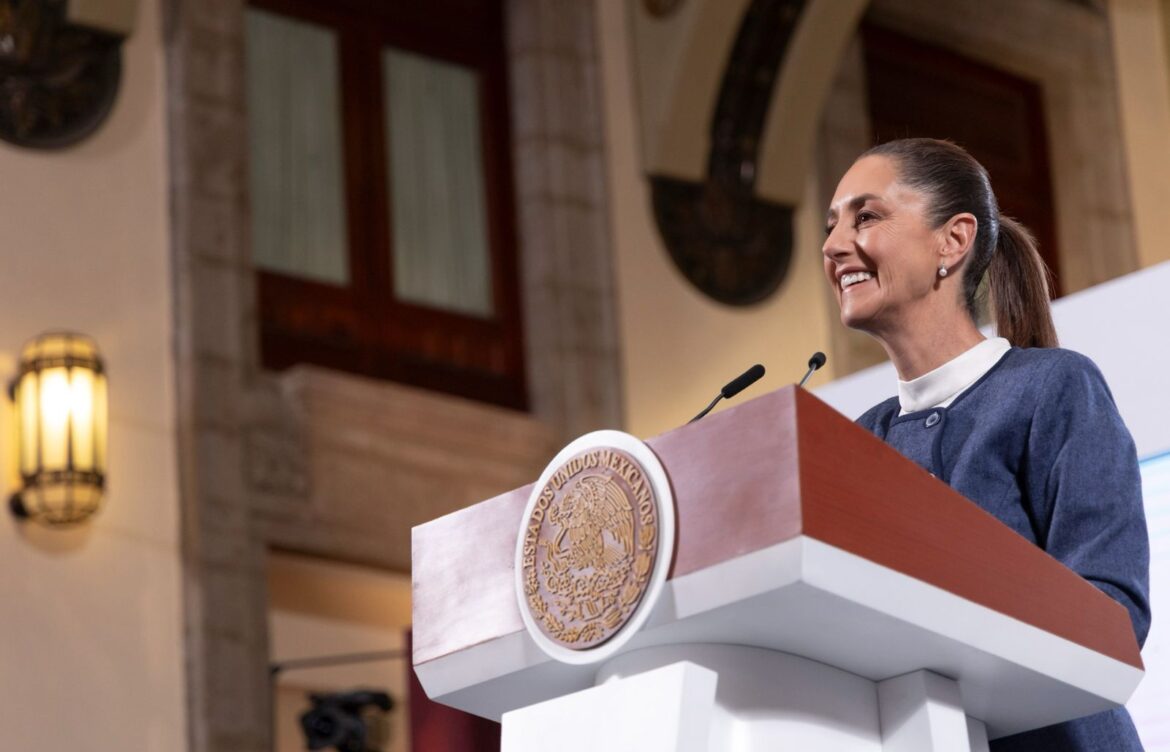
{"x": 339, "y": 720}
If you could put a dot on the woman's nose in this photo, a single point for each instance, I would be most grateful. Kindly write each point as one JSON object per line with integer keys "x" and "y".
{"x": 836, "y": 244}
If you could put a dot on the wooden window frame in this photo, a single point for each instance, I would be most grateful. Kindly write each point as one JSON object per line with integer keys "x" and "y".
{"x": 879, "y": 42}
{"x": 362, "y": 328}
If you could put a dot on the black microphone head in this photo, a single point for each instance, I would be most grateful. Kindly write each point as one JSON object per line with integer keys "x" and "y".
{"x": 742, "y": 381}
{"x": 816, "y": 361}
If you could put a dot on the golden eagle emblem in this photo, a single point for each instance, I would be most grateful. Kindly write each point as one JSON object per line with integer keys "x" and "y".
{"x": 590, "y": 547}
{"x": 598, "y": 521}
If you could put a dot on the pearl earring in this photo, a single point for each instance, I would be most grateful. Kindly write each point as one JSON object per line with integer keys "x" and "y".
{"x": 942, "y": 270}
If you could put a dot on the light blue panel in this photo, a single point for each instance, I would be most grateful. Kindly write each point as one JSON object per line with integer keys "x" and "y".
{"x": 1150, "y": 705}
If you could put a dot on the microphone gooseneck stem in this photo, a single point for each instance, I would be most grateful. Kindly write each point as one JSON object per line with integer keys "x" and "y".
{"x": 814, "y": 364}
{"x": 707, "y": 409}
{"x": 734, "y": 387}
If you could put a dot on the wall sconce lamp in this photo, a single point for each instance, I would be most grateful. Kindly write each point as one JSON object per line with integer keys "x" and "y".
{"x": 61, "y": 426}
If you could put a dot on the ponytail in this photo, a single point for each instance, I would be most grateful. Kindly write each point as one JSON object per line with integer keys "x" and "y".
{"x": 1019, "y": 290}
{"x": 1017, "y": 277}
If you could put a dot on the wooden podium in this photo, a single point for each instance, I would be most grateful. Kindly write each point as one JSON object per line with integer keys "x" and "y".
{"x": 825, "y": 594}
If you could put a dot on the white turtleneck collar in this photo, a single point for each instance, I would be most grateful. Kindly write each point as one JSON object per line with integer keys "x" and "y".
{"x": 940, "y": 387}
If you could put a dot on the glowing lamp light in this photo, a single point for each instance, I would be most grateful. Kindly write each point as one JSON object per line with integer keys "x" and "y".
{"x": 61, "y": 426}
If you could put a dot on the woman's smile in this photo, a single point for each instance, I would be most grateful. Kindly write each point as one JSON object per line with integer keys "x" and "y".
{"x": 854, "y": 278}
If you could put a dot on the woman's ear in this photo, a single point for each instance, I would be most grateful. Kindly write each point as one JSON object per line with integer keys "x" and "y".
{"x": 958, "y": 238}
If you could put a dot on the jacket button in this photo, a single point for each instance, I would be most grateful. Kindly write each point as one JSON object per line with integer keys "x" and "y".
{"x": 932, "y": 419}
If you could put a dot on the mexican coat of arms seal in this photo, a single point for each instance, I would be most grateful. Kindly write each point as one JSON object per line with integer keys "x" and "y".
{"x": 591, "y": 545}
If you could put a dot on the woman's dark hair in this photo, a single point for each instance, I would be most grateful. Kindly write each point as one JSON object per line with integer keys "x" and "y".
{"x": 1003, "y": 248}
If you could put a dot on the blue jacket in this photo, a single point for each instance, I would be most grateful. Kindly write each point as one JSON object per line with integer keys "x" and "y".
{"x": 1038, "y": 443}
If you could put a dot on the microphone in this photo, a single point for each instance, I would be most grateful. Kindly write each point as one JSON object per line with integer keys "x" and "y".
{"x": 734, "y": 387}
{"x": 814, "y": 363}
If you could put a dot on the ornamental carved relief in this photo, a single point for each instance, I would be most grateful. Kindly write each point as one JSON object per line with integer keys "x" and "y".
{"x": 731, "y": 244}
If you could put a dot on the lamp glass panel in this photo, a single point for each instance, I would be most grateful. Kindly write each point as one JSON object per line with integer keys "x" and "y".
{"x": 55, "y": 399}
{"x": 28, "y": 399}
{"x": 81, "y": 416}
{"x": 100, "y": 423}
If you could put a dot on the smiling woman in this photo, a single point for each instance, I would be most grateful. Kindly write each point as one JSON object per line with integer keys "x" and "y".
{"x": 1027, "y": 431}
{"x": 923, "y": 210}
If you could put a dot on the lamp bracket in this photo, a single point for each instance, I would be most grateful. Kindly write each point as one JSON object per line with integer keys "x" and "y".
{"x": 17, "y": 507}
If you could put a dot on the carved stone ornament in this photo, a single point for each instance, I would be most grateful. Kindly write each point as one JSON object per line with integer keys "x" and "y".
{"x": 58, "y": 81}
{"x": 594, "y": 546}
{"x": 730, "y": 244}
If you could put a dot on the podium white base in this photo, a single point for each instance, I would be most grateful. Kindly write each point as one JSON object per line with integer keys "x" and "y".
{"x": 727, "y": 698}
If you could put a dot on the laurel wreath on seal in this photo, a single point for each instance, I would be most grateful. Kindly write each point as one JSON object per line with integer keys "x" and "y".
{"x": 588, "y": 564}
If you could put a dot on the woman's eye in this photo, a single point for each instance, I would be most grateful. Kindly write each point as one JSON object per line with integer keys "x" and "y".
{"x": 865, "y": 216}
{"x": 829, "y": 229}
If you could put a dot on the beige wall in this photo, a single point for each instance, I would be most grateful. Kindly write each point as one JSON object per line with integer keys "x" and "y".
{"x": 1143, "y": 76}
{"x": 678, "y": 347}
{"x": 92, "y": 657}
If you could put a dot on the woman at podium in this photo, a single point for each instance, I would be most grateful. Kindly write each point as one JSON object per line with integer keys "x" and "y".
{"x": 916, "y": 249}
